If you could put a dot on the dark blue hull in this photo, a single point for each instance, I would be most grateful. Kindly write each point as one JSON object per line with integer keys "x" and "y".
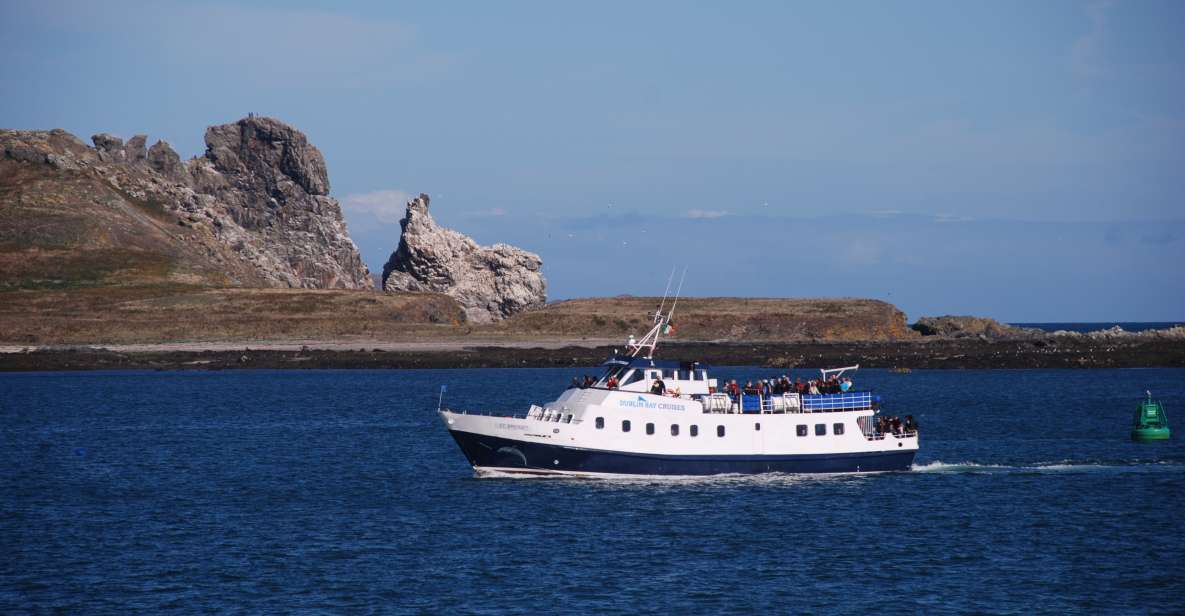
{"x": 494, "y": 452}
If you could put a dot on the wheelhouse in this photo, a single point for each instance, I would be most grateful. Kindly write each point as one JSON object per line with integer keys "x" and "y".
{"x": 638, "y": 373}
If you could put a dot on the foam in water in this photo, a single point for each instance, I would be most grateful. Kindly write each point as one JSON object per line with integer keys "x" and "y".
{"x": 938, "y": 466}
{"x": 661, "y": 480}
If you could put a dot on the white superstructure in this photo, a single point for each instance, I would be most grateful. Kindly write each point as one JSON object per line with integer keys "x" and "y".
{"x": 621, "y": 424}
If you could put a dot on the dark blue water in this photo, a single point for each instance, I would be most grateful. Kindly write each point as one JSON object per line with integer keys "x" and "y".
{"x": 339, "y": 491}
{"x": 1131, "y": 326}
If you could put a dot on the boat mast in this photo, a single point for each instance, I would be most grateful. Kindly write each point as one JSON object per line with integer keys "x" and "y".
{"x": 661, "y": 322}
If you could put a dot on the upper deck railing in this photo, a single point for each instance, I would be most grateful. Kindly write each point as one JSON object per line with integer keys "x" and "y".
{"x": 848, "y": 401}
{"x": 790, "y": 403}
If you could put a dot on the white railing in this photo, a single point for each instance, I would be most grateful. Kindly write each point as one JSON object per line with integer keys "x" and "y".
{"x": 850, "y": 401}
{"x": 791, "y": 403}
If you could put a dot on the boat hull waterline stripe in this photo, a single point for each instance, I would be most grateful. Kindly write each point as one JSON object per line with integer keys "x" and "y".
{"x": 508, "y": 455}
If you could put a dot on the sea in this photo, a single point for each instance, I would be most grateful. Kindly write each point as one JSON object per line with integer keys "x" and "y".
{"x": 1136, "y": 326}
{"x": 340, "y": 492}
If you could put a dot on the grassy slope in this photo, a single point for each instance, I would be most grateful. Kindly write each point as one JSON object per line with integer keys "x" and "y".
{"x": 125, "y": 315}
{"x": 719, "y": 318}
{"x": 128, "y": 315}
{"x": 70, "y": 229}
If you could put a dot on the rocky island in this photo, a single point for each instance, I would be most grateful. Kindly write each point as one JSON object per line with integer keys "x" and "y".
{"x": 123, "y": 255}
{"x": 490, "y": 283}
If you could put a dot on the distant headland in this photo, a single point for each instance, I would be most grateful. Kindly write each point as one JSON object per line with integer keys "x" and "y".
{"x": 121, "y": 255}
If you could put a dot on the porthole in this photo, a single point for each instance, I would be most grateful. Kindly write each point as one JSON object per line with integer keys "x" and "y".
{"x": 600, "y": 423}
{"x": 674, "y": 429}
{"x": 820, "y": 429}
{"x": 837, "y": 429}
{"x": 719, "y": 430}
{"x": 649, "y": 428}
{"x": 625, "y": 425}
{"x": 801, "y": 429}
{"x": 694, "y": 430}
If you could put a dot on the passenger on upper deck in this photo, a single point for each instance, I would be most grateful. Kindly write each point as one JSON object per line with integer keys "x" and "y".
{"x": 658, "y": 387}
{"x": 829, "y": 386}
{"x": 612, "y": 382}
{"x": 749, "y": 388}
{"x": 734, "y": 390}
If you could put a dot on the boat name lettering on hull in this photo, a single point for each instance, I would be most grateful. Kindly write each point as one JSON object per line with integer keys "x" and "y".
{"x": 509, "y": 426}
{"x": 643, "y": 403}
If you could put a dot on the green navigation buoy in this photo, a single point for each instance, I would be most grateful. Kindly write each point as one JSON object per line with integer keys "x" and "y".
{"x": 1150, "y": 423}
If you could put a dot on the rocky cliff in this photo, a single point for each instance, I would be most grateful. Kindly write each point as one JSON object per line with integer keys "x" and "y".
{"x": 491, "y": 283}
{"x": 970, "y": 327}
{"x": 254, "y": 210}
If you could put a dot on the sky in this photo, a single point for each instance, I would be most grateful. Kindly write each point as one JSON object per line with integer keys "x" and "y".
{"x": 1018, "y": 160}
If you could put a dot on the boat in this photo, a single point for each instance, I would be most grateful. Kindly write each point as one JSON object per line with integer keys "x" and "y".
{"x": 1150, "y": 422}
{"x": 644, "y": 416}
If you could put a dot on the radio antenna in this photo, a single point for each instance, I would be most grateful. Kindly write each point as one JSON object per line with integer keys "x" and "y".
{"x": 665, "y": 293}
{"x": 677, "y": 294}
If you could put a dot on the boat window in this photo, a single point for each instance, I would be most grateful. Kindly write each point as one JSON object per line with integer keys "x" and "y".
{"x": 649, "y": 428}
{"x": 837, "y": 429}
{"x": 757, "y": 427}
{"x": 719, "y": 430}
{"x": 654, "y": 374}
{"x": 684, "y": 376}
{"x": 674, "y": 429}
{"x": 600, "y": 423}
{"x": 568, "y": 418}
{"x": 801, "y": 429}
{"x": 625, "y": 425}
{"x": 703, "y": 374}
{"x": 698, "y": 375}
{"x": 820, "y": 429}
{"x": 668, "y": 374}
{"x": 633, "y": 377}
{"x": 694, "y": 430}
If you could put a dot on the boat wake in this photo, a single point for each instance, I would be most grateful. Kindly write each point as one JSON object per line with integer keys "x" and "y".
{"x": 1060, "y": 466}
{"x": 674, "y": 480}
{"x": 936, "y": 467}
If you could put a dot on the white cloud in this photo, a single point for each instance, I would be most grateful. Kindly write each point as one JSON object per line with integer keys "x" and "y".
{"x": 387, "y": 206}
{"x": 699, "y": 214}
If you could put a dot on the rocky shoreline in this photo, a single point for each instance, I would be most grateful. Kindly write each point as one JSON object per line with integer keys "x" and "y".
{"x": 1048, "y": 352}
